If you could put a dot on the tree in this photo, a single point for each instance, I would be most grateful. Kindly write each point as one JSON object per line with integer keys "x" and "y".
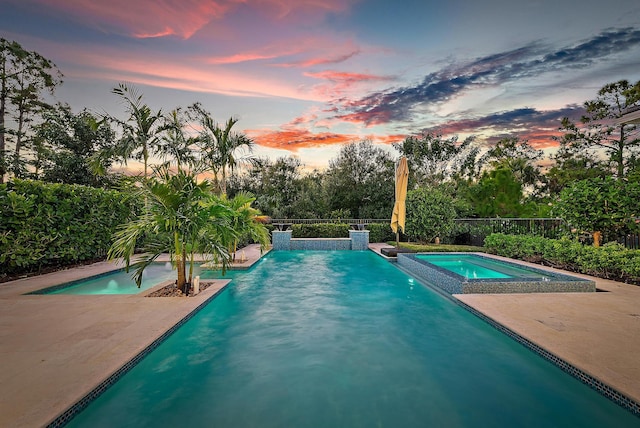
{"x": 24, "y": 78}
{"x": 244, "y": 221}
{"x": 433, "y": 159}
{"x": 518, "y": 157}
{"x": 219, "y": 145}
{"x": 601, "y": 205}
{"x": 599, "y": 129}
{"x": 141, "y": 131}
{"x": 278, "y": 185}
{"x": 361, "y": 180}
{"x": 183, "y": 217}
{"x": 571, "y": 166}
{"x": 430, "y": 213}
{"x": 66, "y": 144}
{"x": 175, "y": 145}
{"x": 498, "y": 193}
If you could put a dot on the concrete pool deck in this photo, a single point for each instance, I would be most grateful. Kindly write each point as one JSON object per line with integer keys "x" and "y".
{"x": 54, "y": 349}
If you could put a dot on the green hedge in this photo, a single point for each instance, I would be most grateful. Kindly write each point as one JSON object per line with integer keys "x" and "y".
{"x": 378, "y": 232}
{"x": 45, "y": 224}
{"x": 611, "y": 261}
{"x": 320, "y": 230}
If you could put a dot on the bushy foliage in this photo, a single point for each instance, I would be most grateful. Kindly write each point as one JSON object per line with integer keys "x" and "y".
{"x": 598, "y": 204}
{"x": 44, "y": 224}
{"x": 611, "y": 261}
{"x": 321, "y": 230}
{"x": 380, "y": 232}
{"x": 430, "y": 213}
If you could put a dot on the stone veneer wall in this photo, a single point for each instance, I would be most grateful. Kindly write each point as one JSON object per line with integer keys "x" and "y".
{"x": 455, "y": 284}
{"x": 427, "y": 273}
{"x": 358, "y": 240}
{"x": 281, "y": 239}
{"x": 320, "y": 244}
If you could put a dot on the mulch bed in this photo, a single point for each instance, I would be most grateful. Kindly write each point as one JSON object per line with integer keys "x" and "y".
{"x": 172, "y": 291}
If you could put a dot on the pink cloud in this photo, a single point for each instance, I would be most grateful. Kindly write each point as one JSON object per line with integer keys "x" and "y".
{"x": 238, "y": 58}
{"x": 321, "y": 60}
{"x": 164, "y": 72}
{"x": 143, "y": 18}
{"x": 345, "y": 77}
{"x": 367, "y": 118}
{"x": 180, "y": 18}
{"x": 296, "y": 139}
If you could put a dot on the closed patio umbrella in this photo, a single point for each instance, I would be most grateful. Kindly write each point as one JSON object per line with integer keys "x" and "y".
{"x": 399, "y": 208}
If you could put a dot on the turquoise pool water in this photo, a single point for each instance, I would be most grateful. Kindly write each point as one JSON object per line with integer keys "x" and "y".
{"x": 343, "y": 339}
{"x": 475, "y": 267}
{"x": 117, "y": 282}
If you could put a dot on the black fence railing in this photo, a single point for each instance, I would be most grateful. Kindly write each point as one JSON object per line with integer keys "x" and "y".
{"x": 630, "y": 241}
{"x": 329, "y": 220}
{"x": 472, "y": 231}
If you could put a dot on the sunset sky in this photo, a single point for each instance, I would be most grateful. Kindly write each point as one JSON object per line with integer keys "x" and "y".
{"x": 305, "y": 76}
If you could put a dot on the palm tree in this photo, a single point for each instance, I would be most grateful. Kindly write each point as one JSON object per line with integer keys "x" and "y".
{"x": 219, "y": 145}
{"x": 174, "y": 143}
{"x": 141, "y": 130}
{"x": 246, "y": 220}
{"x": 178, "y": 211}
{"x": 182, "y": 218}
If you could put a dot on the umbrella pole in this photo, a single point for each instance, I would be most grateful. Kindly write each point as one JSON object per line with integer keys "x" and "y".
{"x": 398, "y": 240}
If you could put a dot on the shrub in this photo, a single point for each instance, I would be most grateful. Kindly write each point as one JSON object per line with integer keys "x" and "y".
{"x": 430, "y": 213}
{"x": 611, "y": 261}
{"x": 380, "y": 232}
{"x": 45, "y": 224}
{"x": 321, "y": 230}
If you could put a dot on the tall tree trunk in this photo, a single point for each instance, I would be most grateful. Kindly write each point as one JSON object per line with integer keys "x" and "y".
{"x": 223, "y": 183}
{"x": 3, "y": 104}
{"x": 619, "y": 154}
{"x": 180, "y": 265}
{"x": 3, "y": 169}
{"x": 16, "y": 159}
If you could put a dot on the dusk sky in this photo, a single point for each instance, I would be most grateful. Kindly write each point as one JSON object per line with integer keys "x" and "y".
{"x": 306, "y": 76}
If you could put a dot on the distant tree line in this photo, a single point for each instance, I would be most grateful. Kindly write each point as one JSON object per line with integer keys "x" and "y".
{"x": 597, "y": 156}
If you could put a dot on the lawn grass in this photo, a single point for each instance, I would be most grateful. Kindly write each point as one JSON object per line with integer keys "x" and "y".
{"x": 431, "y": 248}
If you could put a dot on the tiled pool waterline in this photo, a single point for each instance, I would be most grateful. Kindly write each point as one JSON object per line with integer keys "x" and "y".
{"x": 462, "y": 273}
{"x": 343, "y": 339}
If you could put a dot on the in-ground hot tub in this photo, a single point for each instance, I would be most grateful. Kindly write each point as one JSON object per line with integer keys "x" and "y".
{"x": 474, "y": 273}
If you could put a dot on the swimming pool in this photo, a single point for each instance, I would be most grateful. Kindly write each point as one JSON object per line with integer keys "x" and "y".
{"x": 460, "y": 273}
{"x": 115, "y": 282}
{"x": 328, "y": 339}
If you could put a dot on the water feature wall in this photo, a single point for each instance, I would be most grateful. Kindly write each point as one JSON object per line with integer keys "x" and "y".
{"x": 358, "y": 240}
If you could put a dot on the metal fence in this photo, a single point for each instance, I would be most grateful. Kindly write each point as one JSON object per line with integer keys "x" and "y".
{"x": 630, "y": 241}
{"x": 472, "y": 231}
{"x": 330, "y": 220}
